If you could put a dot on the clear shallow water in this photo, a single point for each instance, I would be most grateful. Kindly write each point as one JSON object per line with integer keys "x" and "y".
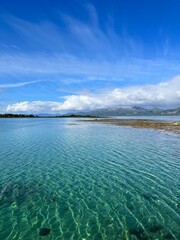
{"x": 87, "y": 181}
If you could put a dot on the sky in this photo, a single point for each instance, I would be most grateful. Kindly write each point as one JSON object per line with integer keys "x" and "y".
{"x": 59, "y": 56}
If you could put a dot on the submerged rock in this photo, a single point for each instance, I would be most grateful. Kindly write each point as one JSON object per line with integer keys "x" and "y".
{"x": 149, "y": 196}
{"x": 139, "y": 233}
{"x": 155, "y": 228}
{"x": 169, "y": 236}
{"x": 44, "y": 231}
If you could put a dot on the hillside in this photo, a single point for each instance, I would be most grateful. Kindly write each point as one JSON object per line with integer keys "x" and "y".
{"x": 134, "y": 111}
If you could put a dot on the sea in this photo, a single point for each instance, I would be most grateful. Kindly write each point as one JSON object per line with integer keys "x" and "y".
{"x": 73, "y": 180}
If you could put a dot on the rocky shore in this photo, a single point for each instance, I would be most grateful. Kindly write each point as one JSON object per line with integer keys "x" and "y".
{"x": 170, "y": 126}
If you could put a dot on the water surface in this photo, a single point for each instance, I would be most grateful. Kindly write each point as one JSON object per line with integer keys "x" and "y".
{"x": 87, "y": 181}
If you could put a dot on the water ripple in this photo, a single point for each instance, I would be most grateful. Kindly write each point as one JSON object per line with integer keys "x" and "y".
{"x": 88, "y": 182}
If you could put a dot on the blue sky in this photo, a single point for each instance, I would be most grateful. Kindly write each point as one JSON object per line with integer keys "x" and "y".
{"x": 60, "y": 56}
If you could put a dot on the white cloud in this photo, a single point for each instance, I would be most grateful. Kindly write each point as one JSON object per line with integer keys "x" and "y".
{"x": 162, "y": 94}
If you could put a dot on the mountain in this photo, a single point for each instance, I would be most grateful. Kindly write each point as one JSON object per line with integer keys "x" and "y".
{"x": 105, "y": 112}
{"x": 133, "y": 111}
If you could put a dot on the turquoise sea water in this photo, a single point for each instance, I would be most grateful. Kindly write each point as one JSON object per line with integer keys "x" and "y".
{"x": 87, "y": 181}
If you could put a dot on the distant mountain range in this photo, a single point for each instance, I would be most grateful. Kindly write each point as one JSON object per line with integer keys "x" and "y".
{"x": 133, "y": 111}
{"x": 104, "y": 112}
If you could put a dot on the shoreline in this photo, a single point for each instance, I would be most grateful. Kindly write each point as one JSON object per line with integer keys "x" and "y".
{"x": 169, "y": 126}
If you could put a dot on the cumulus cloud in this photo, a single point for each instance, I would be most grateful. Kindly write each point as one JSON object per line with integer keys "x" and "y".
{"x": 162, "y": 94}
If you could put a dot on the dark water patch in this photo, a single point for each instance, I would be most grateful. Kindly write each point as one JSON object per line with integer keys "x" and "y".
{"x": 168, "y": 236}
{"x": 21, "y": 192}
{"x": 16, "y": 192}
{"x": 178, "y": 206}
{"x": 130, "y": 206}
{"x": 155, "y": 228}
{"x": 53, "y": 199}
{"x": 139, "y": 233}
{"x": 150, "y": 196}
{"x": 108, "y": 221}
{"x": 63, "y": 208}
{"x": 44, "y": 232}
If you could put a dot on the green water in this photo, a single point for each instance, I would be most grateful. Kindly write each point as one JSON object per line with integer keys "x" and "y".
{"x": 87, "y": 181}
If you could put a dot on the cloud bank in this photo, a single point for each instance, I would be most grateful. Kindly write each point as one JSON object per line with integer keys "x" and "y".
{"x": 161, "y": 94}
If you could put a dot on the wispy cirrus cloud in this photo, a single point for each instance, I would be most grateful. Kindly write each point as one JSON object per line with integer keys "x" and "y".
{"x": 20, "y": 84}
{"x": 95, "y": 51}
{"x": 88, "y": 36}
{"x": 67, "y": 68}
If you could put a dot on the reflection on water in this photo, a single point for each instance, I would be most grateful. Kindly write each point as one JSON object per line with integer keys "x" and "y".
{"x": 64, "y": 181}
